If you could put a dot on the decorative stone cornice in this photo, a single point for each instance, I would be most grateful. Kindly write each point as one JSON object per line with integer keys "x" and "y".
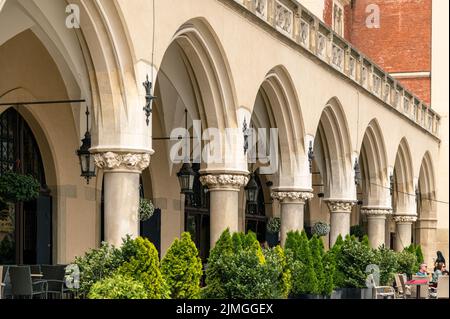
{"x": 405, "y": 219}
{"x": 224, "y": 181}
{"x": 340, "y": 206}
{"x": 300, "y": 197}
{"x": 111, "y": 161}
{"x": 374, "y": 211}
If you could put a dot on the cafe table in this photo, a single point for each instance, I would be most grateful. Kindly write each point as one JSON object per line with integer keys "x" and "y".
{"x": 418, "y": 283}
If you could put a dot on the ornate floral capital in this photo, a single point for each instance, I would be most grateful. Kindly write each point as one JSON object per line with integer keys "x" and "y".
{"x": 405, "y": 219}
{"x": 111, "y": 161}
{"x": 373, "y": 211}
{"x": 300, "y": 197}
{"x": 340, "y": 206}
{"x": 233, "y": 181}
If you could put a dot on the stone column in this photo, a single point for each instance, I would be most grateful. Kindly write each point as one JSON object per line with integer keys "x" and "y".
{"x": 340, "y": 211}
{"x": 403, "y": 231}
{"x": 121, "y": 193}
{"x": 426, "y": 237}
{"x": 376, "y": 218}
{"x": 292, "y": 211}
{"x": 224, "y": 202}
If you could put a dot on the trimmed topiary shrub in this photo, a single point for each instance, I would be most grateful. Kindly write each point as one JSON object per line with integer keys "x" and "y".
{"x": 317, "y": 253}
{"x": 141, "y": 262}
{"x": 300, "y": 261}
{"x": 182, "y": 269}
{"x": 329, "y": 267}
{"x": 118, "y": 287}
{"x": 276, "y": 263}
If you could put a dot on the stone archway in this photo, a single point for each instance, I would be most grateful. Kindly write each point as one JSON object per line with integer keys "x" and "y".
{"x": 426, "y": 225}
{"x": 374, "y": 184}
{"x": 404, "y": 199}
{"x": 333, "y": 161}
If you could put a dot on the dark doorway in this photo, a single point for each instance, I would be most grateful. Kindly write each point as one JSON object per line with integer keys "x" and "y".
{"x": 255, "y": 216}
{"x": 197, "y": 215}
{"x": 26, "y": 228}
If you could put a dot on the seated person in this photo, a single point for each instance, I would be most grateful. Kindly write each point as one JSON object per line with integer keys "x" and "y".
{"x": 422, "y": 270}
{"x": 437, "y": 273}
{"x": 444, "y": 270}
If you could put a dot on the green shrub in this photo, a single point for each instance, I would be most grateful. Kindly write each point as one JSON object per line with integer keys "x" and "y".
{"x": 352, "y": 258}
{"x": 182, "y": 269}
{"x": 16, "y": 188}
{"x": 300, "y": 260}
{"x": 96, "y": 265}
{"x": 143, "y": 266}
{"x": 215, "y": 267}
{"x": 118, "y": 287}
{"x": 238, "y": 269}
{"x": 407, "y": 263}
{"x": 317, "y": 253}
{"x": 386, "y": 260}
{"x": 329, "y": 267}
{"x": 276, "y": 263}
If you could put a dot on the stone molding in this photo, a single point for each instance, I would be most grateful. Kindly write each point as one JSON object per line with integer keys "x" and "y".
{"x": 218, "y": 181}
{"x": 340, "y": 206}
{"x": 128, "y": 162}
{"x": 300, "y": 197}
{"x": 405, "y": 219}
{"x": 373, "y": 211}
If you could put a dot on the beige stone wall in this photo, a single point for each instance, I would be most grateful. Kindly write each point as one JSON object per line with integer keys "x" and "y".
{"x": 440, "y": 101}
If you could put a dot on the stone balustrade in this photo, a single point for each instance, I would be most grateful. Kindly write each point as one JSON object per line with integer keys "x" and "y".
{"x": 294, "y": 21}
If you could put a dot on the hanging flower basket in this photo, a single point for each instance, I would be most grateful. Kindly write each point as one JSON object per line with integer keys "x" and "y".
{"x": 320, "y": 229}
{"x": 146, "y": 209}
{"x": 274, "y": 225}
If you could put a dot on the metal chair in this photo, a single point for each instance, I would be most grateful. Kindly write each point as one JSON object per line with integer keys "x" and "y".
{"x": 23, "y": 286}
{"x": 54, "y": 275}
{"x": 406, "y": 288}
{"x": 382, "y": 291}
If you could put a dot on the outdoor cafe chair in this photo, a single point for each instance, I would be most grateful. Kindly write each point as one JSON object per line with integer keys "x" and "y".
{"x": 54, "y": 275}
{"x": 23, "y": 286}
{"x": 424, "y": 291}
{"x": 381, "y": 291}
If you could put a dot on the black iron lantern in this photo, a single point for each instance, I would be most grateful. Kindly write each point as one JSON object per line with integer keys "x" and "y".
{"x": 186, "y": 177}
{"x": 251, "y": 190}
{"x": 86, "y": 159}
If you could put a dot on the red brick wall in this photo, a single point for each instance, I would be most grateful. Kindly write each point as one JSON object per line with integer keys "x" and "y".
{"x": 420, "y": 87}
{"x": 402, "y": 43}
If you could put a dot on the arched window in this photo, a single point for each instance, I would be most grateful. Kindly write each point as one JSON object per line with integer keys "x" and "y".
{"x": 25, "y": 230}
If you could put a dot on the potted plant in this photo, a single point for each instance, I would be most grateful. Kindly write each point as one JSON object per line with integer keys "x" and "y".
{"x": 320, "y": 229}
{"x": 352, "y": 258}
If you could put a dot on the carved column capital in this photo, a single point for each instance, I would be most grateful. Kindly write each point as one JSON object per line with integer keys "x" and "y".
{"x": 122, "y": 162}
{"x": 340, "y": 206}
{"x": 292, "y": 196}
{"x": 376, "y": 211}
{"x": 405, "y": 219}
{"x": 224, "y": 181}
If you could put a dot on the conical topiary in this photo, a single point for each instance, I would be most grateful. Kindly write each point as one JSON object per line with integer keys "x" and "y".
{"x": 317, "y": 253}
{"x": 182, "y": 269}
